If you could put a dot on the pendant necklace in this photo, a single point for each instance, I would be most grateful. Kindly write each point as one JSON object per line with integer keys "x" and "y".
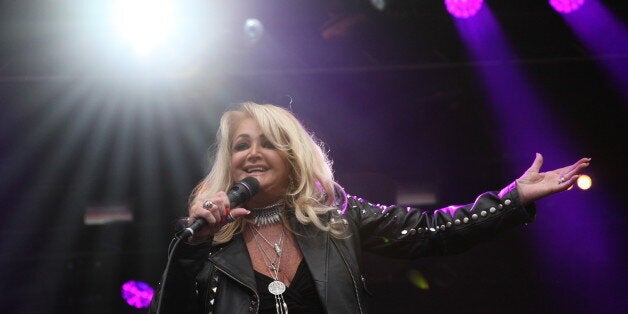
{"x": 276, "y": 287}
{"x": 265, "y": 216}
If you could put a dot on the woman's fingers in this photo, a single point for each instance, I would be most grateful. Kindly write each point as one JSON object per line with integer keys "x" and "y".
{"x": 239, "y": 212}
{"x": 215, "y": 210}
{"x": 572, "y": 171}
{"x": 571, "y": 181}
{"x": 577, "y": 169}
{"x": 211, "y": 209}
{"x": 537, "y": 163}
{"x": 218, "y": 211}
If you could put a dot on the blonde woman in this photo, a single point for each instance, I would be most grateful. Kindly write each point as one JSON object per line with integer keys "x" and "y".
{"x": 296, "y": 245}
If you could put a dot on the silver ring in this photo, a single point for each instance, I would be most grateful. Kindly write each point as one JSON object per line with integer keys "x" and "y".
{"x": 561, "y": 180}
{"x": 208, "y": 204}
{"x": 230, "y": 218}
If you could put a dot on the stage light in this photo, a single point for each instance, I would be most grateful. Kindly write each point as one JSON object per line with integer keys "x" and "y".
{"x": 584, "y": 182}
{"x": 463, "y": 8}
{"x": 253, "y": 30}
{"x": 102, "y": 215}
{"x": 144, "y": 24}
{"x": 137, "y": 294}
{"x": 566, "y": 6}
{"x": 379, "y": 4}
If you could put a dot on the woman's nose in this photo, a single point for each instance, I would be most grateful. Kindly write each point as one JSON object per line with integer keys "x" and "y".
{"x": 254, "y": 152}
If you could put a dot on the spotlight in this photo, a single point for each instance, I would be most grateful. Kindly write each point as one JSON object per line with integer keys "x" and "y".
{"x": 144, "y": 24}
{"x": 566, "y": 6}
{"x": 137, "y": 294}
{"x": 253, "y": 30}
{"x": 584, "y": 182}
{"x": 463, "y": 8}
{"x": 379, "y": 4}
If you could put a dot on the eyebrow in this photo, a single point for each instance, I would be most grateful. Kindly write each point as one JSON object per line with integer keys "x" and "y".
{"x": 242, "y": 135}
{"x": 247, "y": 136}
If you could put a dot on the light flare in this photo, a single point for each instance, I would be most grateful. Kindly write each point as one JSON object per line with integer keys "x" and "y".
{"x": 145, "y": 25}
{"x": 137, "y": 294}
{"x": 463, "y": 8}
{"x": 418, "y": 279}
{"x": 584, "y": 182}
{"x": 566, "y": 6}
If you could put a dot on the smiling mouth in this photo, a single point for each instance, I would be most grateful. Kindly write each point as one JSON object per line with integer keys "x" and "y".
{"x": 255, "y": 170}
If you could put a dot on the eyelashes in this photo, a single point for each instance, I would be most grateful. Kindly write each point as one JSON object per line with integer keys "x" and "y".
{"x": 244, "y": 146}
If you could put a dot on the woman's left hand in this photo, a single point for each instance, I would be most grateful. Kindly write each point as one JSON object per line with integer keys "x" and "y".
{"x": 534, "y": 185}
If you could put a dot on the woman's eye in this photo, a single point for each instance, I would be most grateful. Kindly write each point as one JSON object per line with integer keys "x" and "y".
{"x": 240, "y": 146}
{"x": 268, "y": 144}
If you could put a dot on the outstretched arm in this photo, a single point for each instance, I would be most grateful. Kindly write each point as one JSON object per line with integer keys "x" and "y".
{"x": 409, "y": 233}
{"x": 534, "y": 184}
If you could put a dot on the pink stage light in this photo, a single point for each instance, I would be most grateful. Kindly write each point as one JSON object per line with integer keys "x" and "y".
{"x": 463, "y": 8}
{"x": 566, "y": 6}
{"x": 137, "y": 294}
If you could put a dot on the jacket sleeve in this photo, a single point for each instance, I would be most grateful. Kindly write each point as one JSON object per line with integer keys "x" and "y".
{"x": 181, "y": 291}
{"x": 405, "y": 232}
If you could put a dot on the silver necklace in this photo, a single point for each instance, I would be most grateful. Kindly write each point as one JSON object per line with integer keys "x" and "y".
{"x": 276, "y": 287}
{"x": 275, "y": 246}
{"x": 273, "y": 264}
{"x": 268, "y": 215}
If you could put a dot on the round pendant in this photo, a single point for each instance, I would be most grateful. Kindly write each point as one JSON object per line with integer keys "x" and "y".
{"x": 276, "y": 287}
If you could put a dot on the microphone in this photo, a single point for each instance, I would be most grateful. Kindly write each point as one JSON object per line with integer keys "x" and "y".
{"x": 239, "y": 194}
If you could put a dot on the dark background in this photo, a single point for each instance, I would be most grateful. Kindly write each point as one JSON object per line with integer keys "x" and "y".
{"x": 393, "y": 95}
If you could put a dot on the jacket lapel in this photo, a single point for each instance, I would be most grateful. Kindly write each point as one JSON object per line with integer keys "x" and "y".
{"x": 314, "y": 247}
{"x": 234, "y": 260}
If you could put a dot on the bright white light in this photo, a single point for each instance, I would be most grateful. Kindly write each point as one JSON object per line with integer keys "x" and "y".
{"x": 584, "y": 182}
{"x": 253, "y": 29}
{"x": 145, "y": 25}
{"x": 379, "y": 4}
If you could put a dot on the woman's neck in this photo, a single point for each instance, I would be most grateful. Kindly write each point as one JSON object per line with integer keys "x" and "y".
{"x": 261, "y": 201}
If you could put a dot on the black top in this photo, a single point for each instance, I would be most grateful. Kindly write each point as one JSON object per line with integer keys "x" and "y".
{"x": 301, "y": 295}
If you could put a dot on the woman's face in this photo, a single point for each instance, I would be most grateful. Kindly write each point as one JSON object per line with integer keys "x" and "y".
{"x": 252, "y": 155}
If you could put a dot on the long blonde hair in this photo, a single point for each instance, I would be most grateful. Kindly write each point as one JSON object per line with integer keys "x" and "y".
{"x": 312, "y": 191}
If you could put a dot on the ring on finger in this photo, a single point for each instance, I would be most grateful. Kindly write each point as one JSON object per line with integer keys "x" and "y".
{"x": 561, "y": 180}
{"x": 208, "y": 204}
{"x": 230, "y": 218}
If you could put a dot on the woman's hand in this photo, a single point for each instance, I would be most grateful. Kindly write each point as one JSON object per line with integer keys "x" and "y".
{"x": 533, "y": 184}
{"x": 215, "y": 211}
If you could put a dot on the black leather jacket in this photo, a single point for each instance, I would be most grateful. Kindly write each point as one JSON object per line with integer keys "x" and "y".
{"x": 219, "y": 279}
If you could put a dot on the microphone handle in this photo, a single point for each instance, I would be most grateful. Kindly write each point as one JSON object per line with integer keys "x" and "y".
{"x": 239, "y": 193}
{"x": 189, "y": 231}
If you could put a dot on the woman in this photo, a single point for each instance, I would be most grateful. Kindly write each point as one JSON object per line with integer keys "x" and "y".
{"x": 296, "y": 244}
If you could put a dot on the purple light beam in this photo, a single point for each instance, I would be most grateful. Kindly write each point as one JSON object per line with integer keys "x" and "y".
{"x": 606, "y": 38}
{"x": 526, "y": 126}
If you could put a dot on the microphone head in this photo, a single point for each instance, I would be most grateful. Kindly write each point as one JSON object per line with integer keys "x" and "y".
{"x": 252, "y": 185}
{"x": 242, "y": 191}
